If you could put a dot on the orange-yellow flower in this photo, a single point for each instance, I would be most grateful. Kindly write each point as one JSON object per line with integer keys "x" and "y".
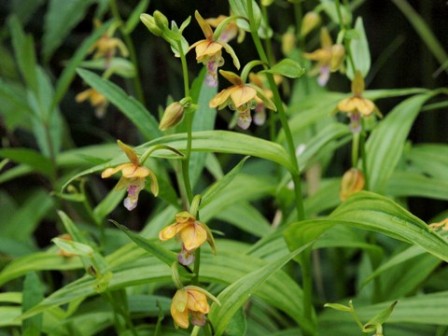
{"x": 209, "y": 51}
{"x": 329, "y": 57}
{"x": 352, "y": 182}
{"x": 260, "y": 109}
{"x": 96, "y": 99}
{"x": 106, "y": 46}
{"x": 189, "y": 303}
{"x": 356, "y": 104}
{"x": 241, "y": 97}
{"x": 133, "y": 177}
{"x": 62, "y": 252}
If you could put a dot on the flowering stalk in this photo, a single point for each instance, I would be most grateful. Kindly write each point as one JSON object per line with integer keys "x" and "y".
{"x": 189, "y": 124}
{"x": 132, "y": 54}
{"x": 306, "y": 265}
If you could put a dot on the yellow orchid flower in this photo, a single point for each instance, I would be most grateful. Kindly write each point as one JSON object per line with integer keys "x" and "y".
{"x": 209, "y": 51}
{"x": 240, "y": 97}
{"x": 442, "y": 225}
{"x": 191, "y": 232}
{"x": 189, "y": 303}
{"x": 106, "y": 46}
{"x": 133, "y": 177}
{"x": 356, "y": 104}
{"x": 329, "y": 57}
{"x": 352, "y": 182}
{"x": 96, "y": 99}
{"x": 260, "y": 81}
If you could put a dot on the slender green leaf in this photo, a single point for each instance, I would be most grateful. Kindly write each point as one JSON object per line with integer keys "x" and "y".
{"x": 30, "y": 158}
{"x": 24, "y": 53}
{"x": 134, "y": 18}
{"x": 372, "y": 212}
{"x": 221, "y": 184}
{"x": 61, "y": 18}
{"x": 69, "y": 71}
{"x": 386, "y": 143}
{"x": 33, "y": 293}
{"x": 423, "y": 30}
{"x": 407, "y": 184}
{"x": 152, "y": 246}
{"x": 288, "y": 68}
{"x": 130, "y": 107}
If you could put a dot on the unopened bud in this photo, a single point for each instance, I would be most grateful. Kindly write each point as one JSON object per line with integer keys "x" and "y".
{"x": 310, "y": 21}
{"x": 288, "y": 41}
{"x": 150, "y": 23}
{"x": 352, "y": 182}
{"x": 172, "y": 116}
{"x": 337, "y": 56}
{"x": 358, "y": 84}
{"x": 161, "y": 20}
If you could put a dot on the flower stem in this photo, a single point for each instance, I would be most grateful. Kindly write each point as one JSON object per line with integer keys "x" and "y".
{"x": 132, "y": 54}
{"x": 189, "y": 124}
{"x": 295, "y": 174}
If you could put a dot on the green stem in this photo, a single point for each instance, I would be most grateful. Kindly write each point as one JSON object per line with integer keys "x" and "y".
{"x": 355, "y": 149}
{"x": 364, "y": 157}
{"x": 189, "y": 124}
{"x": 295, "y": 174}
{"x": 132, "y": 54}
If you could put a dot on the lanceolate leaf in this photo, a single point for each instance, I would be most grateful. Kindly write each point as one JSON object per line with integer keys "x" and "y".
{"x": 386, "y": 143}
{"x": 372, "y": 212}
{"x": 130, "y": 107}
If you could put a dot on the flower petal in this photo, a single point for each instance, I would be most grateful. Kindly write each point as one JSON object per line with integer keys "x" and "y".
{"x": 205, "y": 27}
{"x": 129, "y": 151}
{"x": 197, "y": 301}
{"x": 192, "y": 236}
{"x": 231, "y": 77}
{"x": 171, "y": 230}
{"x": 179, "y": 310}
{"x": 207, "y": 49}
{"x": 111, "y": 171}
{"x": 220, "y": 100}
{"x": 243, "y": 95}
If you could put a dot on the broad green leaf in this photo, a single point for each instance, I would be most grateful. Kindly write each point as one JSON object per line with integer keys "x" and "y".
{"x": 10, "y": 316}
{"x": 33, "y": 293}
{"x": 150, "y": 245}
{"x": 287, "y": 68}
{"x": 108, "y": 204}
{"x": 134, "y": 18}
{"x": 206, "y": 141}
{"x": 235, "y": 295}
{"x": 60, "y": 19}
{"x": 221, "y": 184}
{"x": 11, "y": 297}
{"x": 371, "y": 212}
{"x": 69, "y": 71}
{"x": 24, "y": 52}
{"x": 430, "y": 159}
{"x": 14, "y": 110}
{"x": 30, "y": 158}
{"x": 385, "y": 145}
{"x": 131, "y": 108}
{"x": 359, "y": 48}
{"x": 408, "y": 184}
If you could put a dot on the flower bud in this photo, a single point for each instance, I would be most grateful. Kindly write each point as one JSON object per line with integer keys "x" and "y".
{"x": 352, "y": 182}
{"x": 161, "y": 20}
{"x": 338, "y": 53}
{"x": 288, "y": 41}
{"x": 310, "y": 21}
{"x": 172, "y": 116}
{"x": 150, "y": 23}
